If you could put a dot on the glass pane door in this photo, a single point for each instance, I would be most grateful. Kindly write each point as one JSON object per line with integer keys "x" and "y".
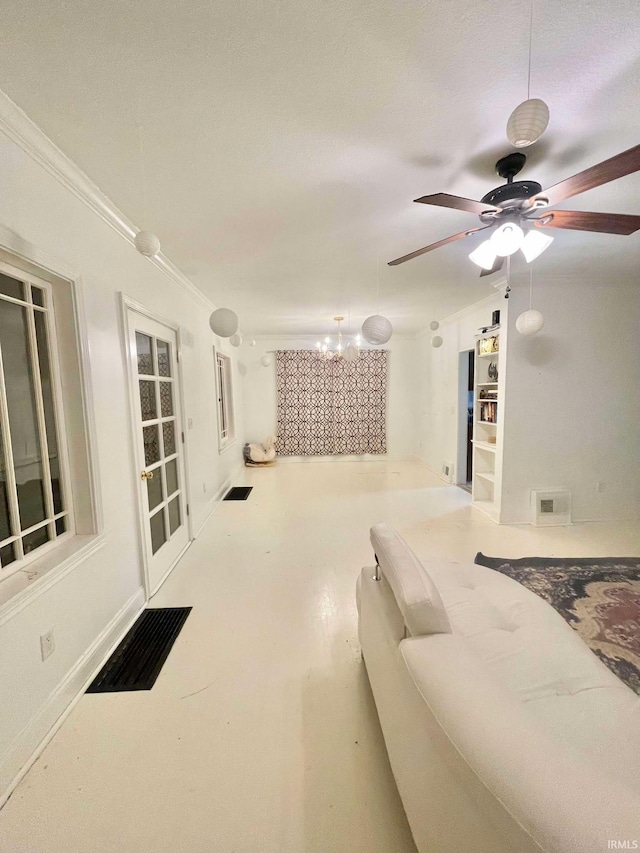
{"x": 159, "y": 434}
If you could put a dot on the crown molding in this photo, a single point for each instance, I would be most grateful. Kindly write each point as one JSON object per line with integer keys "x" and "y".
{"x": 21, "y": 130}
{"x": 462, "y": 312}
{"x": 458, "y": 315}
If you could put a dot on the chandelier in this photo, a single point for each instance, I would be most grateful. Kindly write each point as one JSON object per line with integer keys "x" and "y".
{"x": 336, "y": 348}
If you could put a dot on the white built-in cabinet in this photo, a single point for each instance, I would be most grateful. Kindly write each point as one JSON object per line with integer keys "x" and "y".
{"x": 488, "y": 415}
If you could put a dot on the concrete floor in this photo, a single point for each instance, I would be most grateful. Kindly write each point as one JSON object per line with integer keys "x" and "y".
{"x": 260, "y": 734}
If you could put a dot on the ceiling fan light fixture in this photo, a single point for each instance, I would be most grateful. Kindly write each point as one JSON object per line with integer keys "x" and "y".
{"x": 484, "y": 256}
{"x": 507, "y": 239}
{"x": 534, "y": 244}
{"x": 527, "y": 122}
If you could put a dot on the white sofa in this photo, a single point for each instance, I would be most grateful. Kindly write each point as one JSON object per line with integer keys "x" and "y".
{"x": 505, "y": 733}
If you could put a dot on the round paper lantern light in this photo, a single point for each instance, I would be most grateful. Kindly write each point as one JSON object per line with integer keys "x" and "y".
{"x": 436, "y": 341}
{"x": 351, "y": 352}
{"x": 433, "y": 325}
{"x": 527, "y": 122}
{"x": 224, "y": 322}
{"x": 529, "y": 322}
{"x": 147, "y": 244}
{"x": 266, "y": 360}
{"x": 377, "y": 329}
{"x": 236, "y": 340}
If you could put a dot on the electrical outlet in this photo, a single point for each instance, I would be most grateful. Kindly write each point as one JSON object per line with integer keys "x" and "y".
{"x": 47, "y": 644}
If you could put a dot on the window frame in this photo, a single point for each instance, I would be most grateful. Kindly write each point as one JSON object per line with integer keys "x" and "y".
{"x": 22, "y": 563}
{"x": 224, "y": 400}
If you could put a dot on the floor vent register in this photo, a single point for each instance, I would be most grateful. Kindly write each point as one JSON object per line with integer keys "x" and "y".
{"x": 238, "y": 493}
{"x": 136, "y": 663}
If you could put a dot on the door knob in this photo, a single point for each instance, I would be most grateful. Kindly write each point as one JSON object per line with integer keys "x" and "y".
{"x": 146, "y": 475}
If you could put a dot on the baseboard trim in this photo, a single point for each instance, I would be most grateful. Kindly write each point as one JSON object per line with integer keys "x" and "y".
{"x": 438, "y": 474}
{"x": 30, "y": 743}
{"x": 217, "y": 498}
{"x": 315, "y": 460}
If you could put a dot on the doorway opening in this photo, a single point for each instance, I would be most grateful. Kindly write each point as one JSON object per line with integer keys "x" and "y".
{"x": 466, "y": 366}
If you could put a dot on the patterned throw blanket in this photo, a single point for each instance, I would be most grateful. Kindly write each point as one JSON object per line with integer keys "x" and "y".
{"x": 600, "y": 598}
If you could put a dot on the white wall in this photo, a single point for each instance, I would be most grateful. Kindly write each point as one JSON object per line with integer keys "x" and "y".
{"x": 572, "y": 400}
{"x": 39, "y": 217}
{"x": 438, "y": 404}
{"x": 259, "y": 391}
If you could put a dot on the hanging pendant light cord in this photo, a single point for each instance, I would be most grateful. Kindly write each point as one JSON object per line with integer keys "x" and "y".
{"x": 530, "y": 43}
{"x": 145, "y": 205}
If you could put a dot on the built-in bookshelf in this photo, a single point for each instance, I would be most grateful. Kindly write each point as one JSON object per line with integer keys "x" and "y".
{"x": 487, "y": 412}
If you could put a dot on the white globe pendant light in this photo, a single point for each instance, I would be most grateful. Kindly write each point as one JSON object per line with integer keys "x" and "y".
{"x": 147, "y": 244}
{"x": 433, "y": 325}
{"x": 529, "y": 322}
{"x": 266, "y": 360}
{"x": 236, "y": 340}
{"x": 527, "y": 122}
{"x": 377, "y": 329}
{"x": 351, "y": 352}
{"x": 436, "y": 341}
{"x": 224, "y": 322}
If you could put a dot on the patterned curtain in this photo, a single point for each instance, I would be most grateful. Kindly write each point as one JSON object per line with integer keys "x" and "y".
{"x": 331, "y": 406}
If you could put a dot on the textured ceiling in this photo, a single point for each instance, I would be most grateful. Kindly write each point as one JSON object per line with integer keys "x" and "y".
{"x": 283, "y": 142}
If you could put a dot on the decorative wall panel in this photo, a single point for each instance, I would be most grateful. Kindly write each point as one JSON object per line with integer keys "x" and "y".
{"x": 331, "y": 406}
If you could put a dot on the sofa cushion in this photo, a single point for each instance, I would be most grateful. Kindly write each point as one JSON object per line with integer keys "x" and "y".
{"x": 522, "y": 642}
{"x": 416, "y": 595}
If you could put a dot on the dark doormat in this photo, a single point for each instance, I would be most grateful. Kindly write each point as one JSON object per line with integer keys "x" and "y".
{"x": 137, "y": 661}
{"x": 238, "y": 493}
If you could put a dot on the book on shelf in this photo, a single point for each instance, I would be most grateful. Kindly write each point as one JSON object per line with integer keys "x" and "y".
{"x": 488, "y": 411}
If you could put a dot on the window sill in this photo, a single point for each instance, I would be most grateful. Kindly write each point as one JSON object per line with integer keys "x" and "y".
{"x": 222, "y": 448}
{"x": 21, "y": 588}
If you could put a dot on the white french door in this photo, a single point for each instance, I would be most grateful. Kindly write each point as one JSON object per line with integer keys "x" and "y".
{"x": 152, "y": 349}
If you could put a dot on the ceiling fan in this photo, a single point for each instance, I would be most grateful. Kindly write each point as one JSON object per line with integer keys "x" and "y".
{"x": 515, "y": 210}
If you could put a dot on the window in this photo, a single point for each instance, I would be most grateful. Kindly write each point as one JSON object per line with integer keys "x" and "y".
{"x": 34, "y": 502}
{"x": 226, "y": 424}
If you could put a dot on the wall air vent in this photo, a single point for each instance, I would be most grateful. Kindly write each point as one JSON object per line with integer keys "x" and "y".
{"x": 550, "y": 507}
{"x": 447, "y": 471}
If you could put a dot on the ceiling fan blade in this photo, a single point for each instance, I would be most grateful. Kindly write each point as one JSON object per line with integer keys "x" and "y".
{"x": 609, "y": 170}
{"x": 433, "y": 246}
{"x": 497, "y": 266}
{"x": 580, "y": 220}
{"x": 456, "y": 202}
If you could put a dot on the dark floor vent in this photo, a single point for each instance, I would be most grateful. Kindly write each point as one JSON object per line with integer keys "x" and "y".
{"x": 137, "y": 661}
{"x": 238, "y": 493}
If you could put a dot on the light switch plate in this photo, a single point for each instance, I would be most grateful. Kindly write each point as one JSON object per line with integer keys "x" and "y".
{"x": 47, "y": 644}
